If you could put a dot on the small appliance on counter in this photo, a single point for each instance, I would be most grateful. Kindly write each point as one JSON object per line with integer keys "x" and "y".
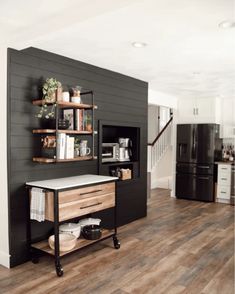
{"x": 110, "y": 152}
{"x": 115, "y": 152}
{"x": 125, "y": 145}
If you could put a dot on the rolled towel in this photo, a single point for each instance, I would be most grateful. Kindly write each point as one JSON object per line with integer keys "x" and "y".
{"x": 37, "y": 204}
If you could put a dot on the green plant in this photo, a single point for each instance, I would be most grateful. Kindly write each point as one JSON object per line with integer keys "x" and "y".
{"x": 47, "y": 112}
{"x": 77, "y": 142}
{"x": 49, "y": 89}
{"x": 88, "y": 119}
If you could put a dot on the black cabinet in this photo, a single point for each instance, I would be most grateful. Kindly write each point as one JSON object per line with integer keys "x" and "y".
{"x": 131, "y": 193}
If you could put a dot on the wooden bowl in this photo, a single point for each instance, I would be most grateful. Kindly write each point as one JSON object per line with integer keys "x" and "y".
{"x": 67, "y": 242}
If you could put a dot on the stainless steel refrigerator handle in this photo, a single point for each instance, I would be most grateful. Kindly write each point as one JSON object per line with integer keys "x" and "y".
{"x": 200, "y": 166}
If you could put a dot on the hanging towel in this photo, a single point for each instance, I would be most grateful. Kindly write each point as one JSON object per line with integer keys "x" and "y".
{"x": 37, "y": 205}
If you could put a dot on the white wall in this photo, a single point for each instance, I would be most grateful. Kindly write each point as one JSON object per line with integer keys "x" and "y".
{"x": 159, "y": 98}
{"x": 152, "y": 122}
{"x": 4, "y": 239}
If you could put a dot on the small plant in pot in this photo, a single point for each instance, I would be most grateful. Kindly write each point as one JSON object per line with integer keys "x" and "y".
{"x": 88, "y": 122}
{"x": 47, "y": 118}
{"x": 46, "y": 115}
{"x": 50, "y": 89}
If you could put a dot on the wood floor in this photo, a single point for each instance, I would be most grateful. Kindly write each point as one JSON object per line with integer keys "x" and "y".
{"x": 181, "y": 247}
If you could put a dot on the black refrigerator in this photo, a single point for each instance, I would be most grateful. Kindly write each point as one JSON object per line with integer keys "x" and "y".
{"x": 198, "y": 147}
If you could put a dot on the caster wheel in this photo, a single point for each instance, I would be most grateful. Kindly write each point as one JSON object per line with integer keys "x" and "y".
{"x": 116, "y": 243}
{"x": 35, "y": 260}
{"x": 59, "y": 271}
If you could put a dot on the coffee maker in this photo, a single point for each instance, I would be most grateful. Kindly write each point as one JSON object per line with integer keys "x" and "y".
{"x": 125, "y": 152}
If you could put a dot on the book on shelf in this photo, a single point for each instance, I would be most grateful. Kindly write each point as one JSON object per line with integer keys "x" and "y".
{"x": 69, "y": 147}
{"x": 81, "y": 119}
{"x": 60, "y": 150}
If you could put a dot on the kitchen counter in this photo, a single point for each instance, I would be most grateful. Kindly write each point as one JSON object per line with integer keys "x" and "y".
{"x": 71, "y": 182}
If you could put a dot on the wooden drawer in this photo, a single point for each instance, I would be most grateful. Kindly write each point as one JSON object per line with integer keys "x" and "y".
{"x": 223, "y": 192}
{"x": 82, "y": 201}
{"x": 87, "y": 192}
{"x": 82, "y": 207}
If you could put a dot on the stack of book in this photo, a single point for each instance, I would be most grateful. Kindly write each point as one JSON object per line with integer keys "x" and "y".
{"x": 65, "y": 146}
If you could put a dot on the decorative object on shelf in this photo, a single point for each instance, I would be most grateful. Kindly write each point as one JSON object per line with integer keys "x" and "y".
{"x": 92, "y": 232}
{"x": 52, "y": 90}
{"x": 76, "y": 91}
{"x": 83, "y": 149}
{"x": 71, "y": 228}
{"x": 88, "y": 122}
{"x": 125, "y": 174}
{"x": 67, "y": 242}
{"x": 68, "y": 114}
{"x": 63, "y": 124}
{"x": 89, "y": 221}
{"x": 65, "y": 94}
{"x": 48, "y": 146}
{"x": 76, "y": 146}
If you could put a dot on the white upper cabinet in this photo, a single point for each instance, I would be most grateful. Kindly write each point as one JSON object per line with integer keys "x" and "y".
{"x": 227, "y": 129}
{"x": 199, "y": 110}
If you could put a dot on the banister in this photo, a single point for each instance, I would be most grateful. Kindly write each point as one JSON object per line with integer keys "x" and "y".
{"x": 162, "y": 131}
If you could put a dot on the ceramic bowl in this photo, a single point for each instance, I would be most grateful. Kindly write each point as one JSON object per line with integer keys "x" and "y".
{"x": 71, "y": 228}
{"x": 67, "y": 242}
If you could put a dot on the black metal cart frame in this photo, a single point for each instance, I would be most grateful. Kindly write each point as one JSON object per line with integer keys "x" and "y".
{"x": 58, "y": 266}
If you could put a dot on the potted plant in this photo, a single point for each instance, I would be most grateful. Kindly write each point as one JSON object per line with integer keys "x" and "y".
{"x": 51, "y": 88}
{"x": 46, "y": 115}
{"x": 88, "y": 122}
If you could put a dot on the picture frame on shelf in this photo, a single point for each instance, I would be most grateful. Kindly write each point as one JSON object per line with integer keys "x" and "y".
{"x": 68, "y": 114}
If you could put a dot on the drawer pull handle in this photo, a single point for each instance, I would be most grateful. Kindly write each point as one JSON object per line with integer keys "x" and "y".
{"x": 95, "y": 191}
{"x": 83, "y": 207}
{"x": 224, "y": 168}
{"x": 224, "y": 179}
{"x": 222, "y": 192}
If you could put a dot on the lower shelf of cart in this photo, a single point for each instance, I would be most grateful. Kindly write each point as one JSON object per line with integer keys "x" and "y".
{"x": 81, "y": 242}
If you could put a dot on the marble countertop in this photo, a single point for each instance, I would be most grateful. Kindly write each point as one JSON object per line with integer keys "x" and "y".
{"x": 70, "y": 182}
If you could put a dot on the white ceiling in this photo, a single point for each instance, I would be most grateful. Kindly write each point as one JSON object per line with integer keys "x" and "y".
{"x": 187, "y": 55}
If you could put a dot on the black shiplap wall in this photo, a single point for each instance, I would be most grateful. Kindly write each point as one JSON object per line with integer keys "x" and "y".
{"x": 119, "y": 98}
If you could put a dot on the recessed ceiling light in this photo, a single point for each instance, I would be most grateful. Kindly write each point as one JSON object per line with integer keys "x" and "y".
{"x": 139, "y": 44}
{"x": 227, "y": 24}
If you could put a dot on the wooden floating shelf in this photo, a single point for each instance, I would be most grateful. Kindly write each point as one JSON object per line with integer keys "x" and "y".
{"x": 43, "y": 245}
{"x": 62, "y": 104}
{"x": 53, "y": 160}
{"x": 52, "y": 131}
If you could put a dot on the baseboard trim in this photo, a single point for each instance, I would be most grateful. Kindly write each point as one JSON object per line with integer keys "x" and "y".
{"x": 4, "y": 259}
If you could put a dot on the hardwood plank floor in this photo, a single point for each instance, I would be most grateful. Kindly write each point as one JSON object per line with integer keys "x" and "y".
{"x": 181, "y": 247}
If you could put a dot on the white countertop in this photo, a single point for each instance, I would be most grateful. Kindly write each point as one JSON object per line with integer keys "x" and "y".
{"x": 70, "y": 182}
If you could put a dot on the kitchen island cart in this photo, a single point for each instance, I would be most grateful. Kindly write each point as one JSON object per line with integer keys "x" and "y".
{"x": 73, "y": 197}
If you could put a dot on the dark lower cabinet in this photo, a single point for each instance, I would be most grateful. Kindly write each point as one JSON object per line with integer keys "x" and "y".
{"x": 195, "y": 187}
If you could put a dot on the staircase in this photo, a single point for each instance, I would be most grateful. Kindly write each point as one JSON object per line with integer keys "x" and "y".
{"x": 157, "y": 149}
